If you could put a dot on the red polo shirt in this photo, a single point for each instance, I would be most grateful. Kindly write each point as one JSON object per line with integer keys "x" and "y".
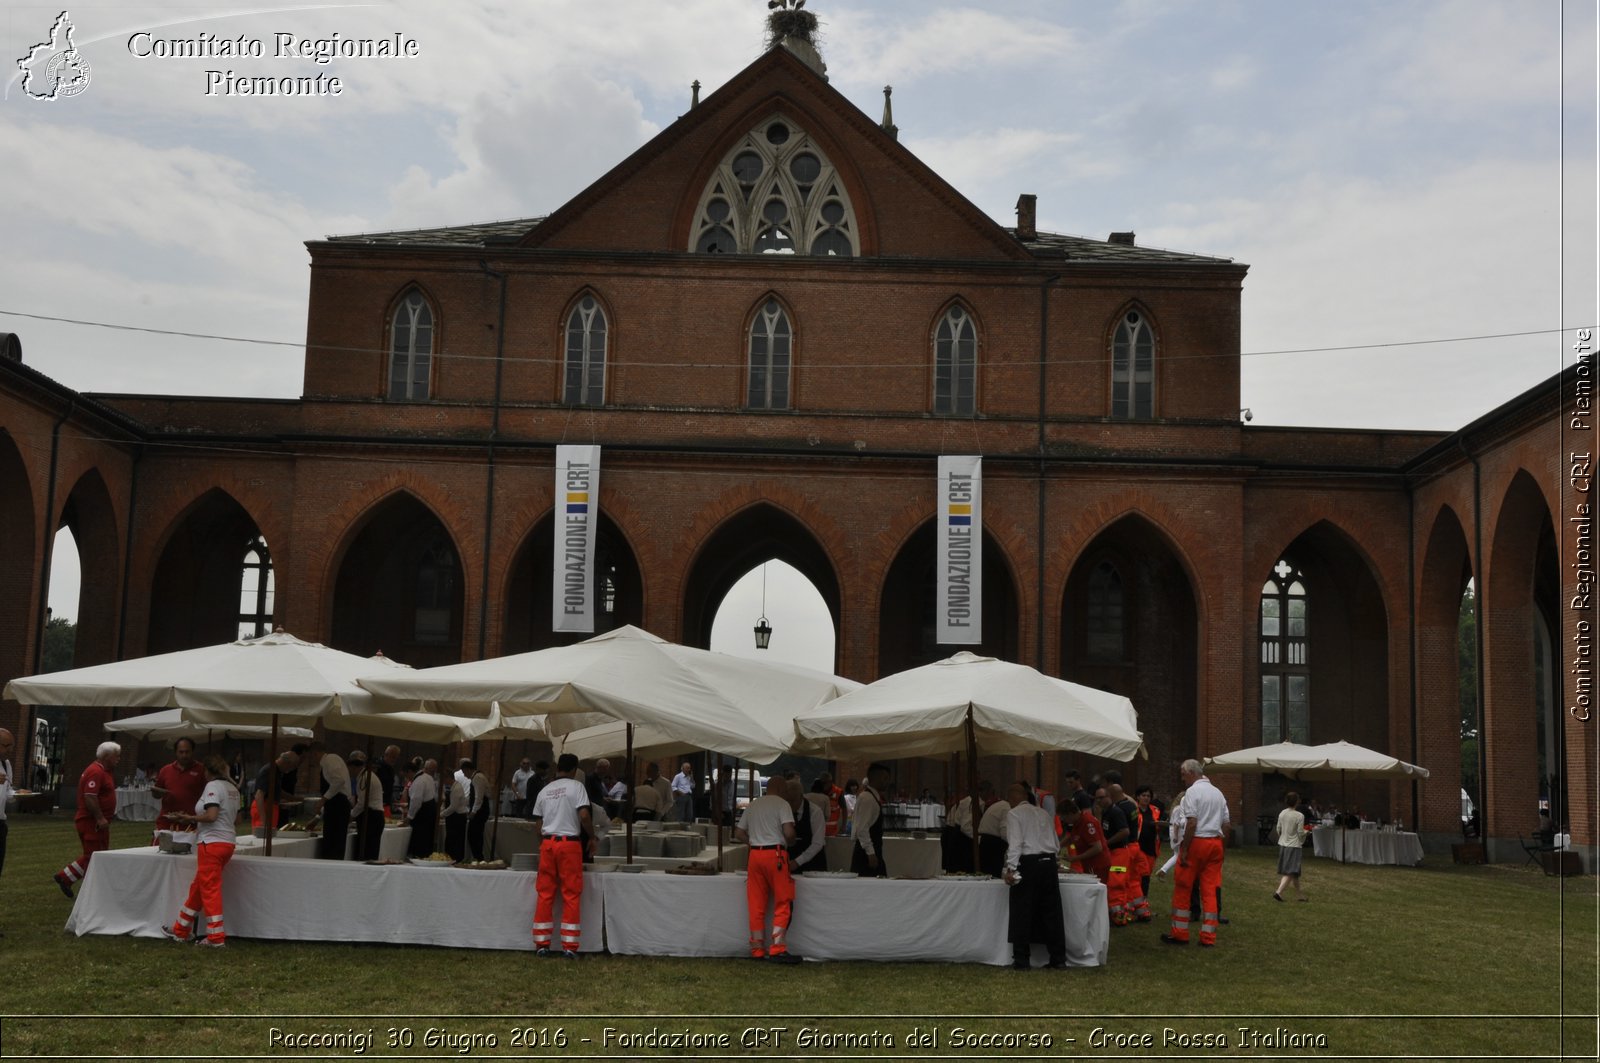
{"x": 96, "y": 784}
{"x": 184, "y": 787}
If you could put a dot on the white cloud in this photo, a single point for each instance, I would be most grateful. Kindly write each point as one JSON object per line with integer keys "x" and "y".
{"x": 940, "y": 43}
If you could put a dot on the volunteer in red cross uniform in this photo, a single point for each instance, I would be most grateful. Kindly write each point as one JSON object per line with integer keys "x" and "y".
{"x": 179, "y": 784}
{"x": 562, "y": 813}
{"x": 767, "y": 826}
{"x": 1199, "y": 856}
{"x": 213, "y": 817}
{"x": 97, "y": 803}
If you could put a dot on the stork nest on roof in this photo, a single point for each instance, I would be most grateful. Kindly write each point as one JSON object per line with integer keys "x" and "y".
{"x": 788, "y": 22}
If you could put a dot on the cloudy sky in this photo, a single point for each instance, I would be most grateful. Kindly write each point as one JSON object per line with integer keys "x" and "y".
{"x": 1392, "y": 172}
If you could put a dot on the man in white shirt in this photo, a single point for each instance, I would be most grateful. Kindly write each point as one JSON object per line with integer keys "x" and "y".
{"x": 1030, "y": 871}
{"x": 806, "y": 852}
{"x": 866, "y": 857}
{"x": 562, "y": 813}
{"x": 767, "y": 826}
{"x": 519, "y": 786}
{"x": 683, "y": 793}
{"x": 992, "y": 839}
{"x": 455, "y": 813}
{"x": 479, "y": 804}
{"x": 1199, "y": 854}
{"x": 657, "y": 782}
{"x": 336, "y": 799}
{"x": 422, "y": 810}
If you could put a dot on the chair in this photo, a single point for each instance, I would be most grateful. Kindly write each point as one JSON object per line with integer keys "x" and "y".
{"x": 1264, "y": 825}
{"x": 1536, "y": 850}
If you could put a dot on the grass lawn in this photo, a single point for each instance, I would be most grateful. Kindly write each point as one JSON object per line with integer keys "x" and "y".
{"x": 1468, "y": 962}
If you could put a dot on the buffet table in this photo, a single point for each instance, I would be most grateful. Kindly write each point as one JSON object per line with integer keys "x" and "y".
{"x": 1367, "y": 846}
{"x": 913, "y": 815}
{"x": 294, "y": 843}
{"x": 134, "y": 891}
{"x": 907, "y": 857}
{"x": 844, "y": 918}
{"x": 137, "y": 803}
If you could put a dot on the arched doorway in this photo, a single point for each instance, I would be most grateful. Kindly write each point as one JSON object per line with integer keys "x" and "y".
{"x": 1523, "y": 735}
{"x": 400, "y": 588}
{"x": 89, "y": 516}
{"x": 1128, "y": 625}
{"x": 619, "y": 590}
{"x": 194, "y": 600}
{"x": 1447, "y": 724}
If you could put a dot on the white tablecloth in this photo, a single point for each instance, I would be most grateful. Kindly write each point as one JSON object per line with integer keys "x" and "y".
{"x": 949, "y": 921}
{"x": 907, "y": 857}
{"x": 1367, "y": 846}
{"x": 392, "y": 846}
{"x": 134, "y": 891}
{"x": 137, "y": 803}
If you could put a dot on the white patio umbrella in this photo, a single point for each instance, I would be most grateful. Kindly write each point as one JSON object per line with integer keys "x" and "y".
{"x": 937, "y": 708}
{"x": 708, "y": 700}
{"x": 251, "y": 681}
{"x": 967, "y": 701}
{"x": 1331, "y": 760}
{"x": 168, "y": 725}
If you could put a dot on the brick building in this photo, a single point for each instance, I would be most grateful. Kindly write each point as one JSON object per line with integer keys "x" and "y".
{"x": 774, "y": 318}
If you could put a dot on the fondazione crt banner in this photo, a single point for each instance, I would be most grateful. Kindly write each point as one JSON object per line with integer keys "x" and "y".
{"x": 960, "y": 599}
{"x": 577, "y": 513}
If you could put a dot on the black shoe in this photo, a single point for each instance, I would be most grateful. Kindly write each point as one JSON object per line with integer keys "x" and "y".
{"x": 1170, "y": 940}
{"x": 1208, "y": 944}
{"x": 543, "y": 953}
{"x": 787, "y": 958}
{"x": 66, "y": 887}
{"x": 1024, "y": 966}
{"x": 1056, "y": 965}
{"x": 1277, "y": 897}
{"x": 1221, "y": 921}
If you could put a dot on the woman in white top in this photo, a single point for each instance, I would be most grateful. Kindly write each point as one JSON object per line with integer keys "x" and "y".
{"x": 213, "y": 818}
{"x": 1291, "y": 845}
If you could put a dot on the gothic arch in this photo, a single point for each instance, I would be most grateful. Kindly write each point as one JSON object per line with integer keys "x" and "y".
{"x": 90, "y": 515}
{"x": 1445, "y": 571}
{"x": 906, "y": 604}
{"x": 763, "y": 531}
{"x": 609, "y": 314}
{"x": 528, "y": 585}
{"x": 399, "y": 585}
{"x": 19, "y": 544}
{"x": 194, "y": 594}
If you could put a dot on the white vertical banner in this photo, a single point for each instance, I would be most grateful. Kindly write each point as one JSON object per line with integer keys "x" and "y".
{"x": 960, "y": 598}
{"x": 577, "y": 515}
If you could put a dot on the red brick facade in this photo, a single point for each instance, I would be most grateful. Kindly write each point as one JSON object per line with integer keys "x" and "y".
{"x": 1191, "y": 508}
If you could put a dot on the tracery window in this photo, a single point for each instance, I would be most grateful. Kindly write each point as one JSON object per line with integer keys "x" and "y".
{"x": 955, "y": 363}
{"x": 436, "y": 592}
{"x": 256, "y": 590}
{"x": 1285, "y": 661}
{"x": 586, "y": 354}
{"x": 771, "y": 347}
{"x": 410, "y": 348}
{"x": 775, "y": 192}
{"x": 1104, "y": 623}
{"x": 1133, "y": 355}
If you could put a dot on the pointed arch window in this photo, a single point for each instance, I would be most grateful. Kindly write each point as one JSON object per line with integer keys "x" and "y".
{"x": 436, "y": 593}
{"x": 256, "y": 590}
{"x": 1285, "y": 657}
{"x": 1104, "y": 626}
{"x": 410, "y": 348}
{"x": 586, "y": 354}
{"x": 955, "y": 363}
{"x": 1133, "y": 375}
{"x": 771, "y": 350}
{"x": 776, "y": 193}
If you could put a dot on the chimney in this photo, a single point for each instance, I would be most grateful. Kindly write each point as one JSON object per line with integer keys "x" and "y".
{"x": 1126, "y": 239}
{"x": 694, "y": 91}
{"x": 10, "y": 347}
{"x": 1027, "y": 213}
{"x": 888, "y": 114}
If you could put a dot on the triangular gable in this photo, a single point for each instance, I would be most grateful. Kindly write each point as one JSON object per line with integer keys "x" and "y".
{"x": 903, "y": 208}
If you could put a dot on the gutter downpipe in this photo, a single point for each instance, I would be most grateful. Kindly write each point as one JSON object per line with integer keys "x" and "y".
{"x": 494, "y": 434}
{"x": 1411, "y": 611}
{"x": 1038, "y": 625}
{"x": 1477, "y": 638}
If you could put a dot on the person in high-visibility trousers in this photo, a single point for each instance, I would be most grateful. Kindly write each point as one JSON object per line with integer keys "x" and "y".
{"x": 1135, "y": 907}
{"x": 1114, "y": 821}
{"x": 213, "y": 817}
{"x": 767, "y": 827}
{"x": 1199, "y": 856}
{"x": 97, "y": 803}
{"x": 1149, "y": 836}
{"x": 562, "y": 815}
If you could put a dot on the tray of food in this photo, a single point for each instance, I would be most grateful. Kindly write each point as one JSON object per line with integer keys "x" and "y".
{"x": 691, "y": 869}
{"x": 383, "y": 863}
{"x": 484, "y": 865}
{"x": 434, "y": 860}
{"x": 828, "y": 874}
{"x": 967, "y": 876}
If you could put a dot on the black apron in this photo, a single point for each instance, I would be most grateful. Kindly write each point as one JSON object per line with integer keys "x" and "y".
{"x": 803, "y": 837}
{"x": 858, "y": 855}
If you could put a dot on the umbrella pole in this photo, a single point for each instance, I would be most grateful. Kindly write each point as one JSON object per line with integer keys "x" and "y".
{"x": 716, "y": 808}
{"x": 269, "y": 815}
{"x": 972, "y": 783}
{"x": 627, "y": 793}
{"x": 499, "y": 773}
{"x": 1344, "y": 799}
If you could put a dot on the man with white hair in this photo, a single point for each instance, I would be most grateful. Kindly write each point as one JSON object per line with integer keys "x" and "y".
{"x": 97, "y": 803}
{"x": 7, "y": 785}
{"x": 1199, "y": 855}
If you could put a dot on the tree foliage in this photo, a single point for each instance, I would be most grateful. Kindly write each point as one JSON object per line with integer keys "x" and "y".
{"x": 60, "y": 636}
